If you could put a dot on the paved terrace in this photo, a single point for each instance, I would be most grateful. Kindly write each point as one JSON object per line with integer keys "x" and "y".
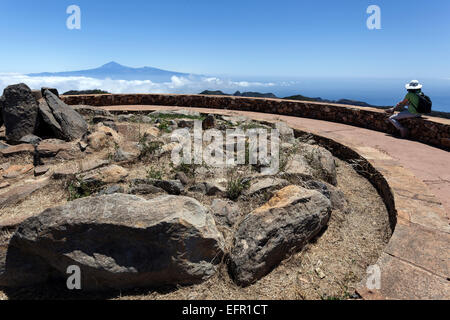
{"x": 416, "y": 262}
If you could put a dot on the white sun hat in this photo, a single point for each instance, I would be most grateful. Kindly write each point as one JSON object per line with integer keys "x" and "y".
{"x": 413, "y": 85}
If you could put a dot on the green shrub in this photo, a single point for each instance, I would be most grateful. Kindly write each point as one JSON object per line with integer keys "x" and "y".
{"x": 235, "y": 186}
{"x": 78, "y": 189}
{"x": 153, "y": 173}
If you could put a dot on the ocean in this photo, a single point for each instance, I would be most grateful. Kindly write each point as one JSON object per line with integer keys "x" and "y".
{"x": 378, "y": 92}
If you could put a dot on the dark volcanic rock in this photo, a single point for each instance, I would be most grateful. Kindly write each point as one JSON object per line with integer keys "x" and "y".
{"x": 174, "y": 187}
{"x": 145, "y": 189}
{"x": 119, "y": 241}
{"x": 52, "y": 90}
{"x": 268, "y": 234}
{"x": 72, "y": 124}
{"x": 2, "y": 101}
{"x": 48, "y": 126}
{"x": 209, "y": 122}
{"x": 20, "y": 112}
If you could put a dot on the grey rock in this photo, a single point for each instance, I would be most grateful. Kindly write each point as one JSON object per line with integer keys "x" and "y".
{"x": 41, "y": 170}
{"x": 31, "y": 139}
{"x": 111, "y": 124}
{"x": 120, "y": 155}
{"x": 183, "y": 112}
{"x": 286, "y": 132}
{"x": 72, "y": 124}
{"x": 314, "y": 162}
{"x": 20, "y": 112}
{"x": 208, "y": 189}
{"x": 111, "y": 190}
{"x": 126, "y": 117}
{"x": 321, "y": 161}
{"x": 174, "y": 187}
{"x": 104, "y": 175}
{"x": 270, "y": 233}
{"x": 91, "y": 111}
{"x": 236, "y": 120}
{"x": 119, "y": 241}
{"x": 182, "y": 177}
{"x": 226, "y": 213}
{"x": 145, "y": 119}
{"x": 145, "y": 189}
{"x": 103, "y": 119}
{"x": 4, "y": 145}
{"x": 335, "y": 195}
{"x": 265, "y": 185}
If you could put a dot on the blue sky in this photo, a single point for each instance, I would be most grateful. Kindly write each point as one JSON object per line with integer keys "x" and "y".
{"x": 285, "y": 39}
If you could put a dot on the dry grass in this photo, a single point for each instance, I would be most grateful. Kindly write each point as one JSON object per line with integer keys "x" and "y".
{"x": 328, "y": 268}
{"x": 352, "y": 241}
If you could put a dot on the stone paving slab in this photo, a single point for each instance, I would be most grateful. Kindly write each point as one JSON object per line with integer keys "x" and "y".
{"x": 415, "y": 264}
{"x": 421, "y": 247}
{"x": 401, "y": 280}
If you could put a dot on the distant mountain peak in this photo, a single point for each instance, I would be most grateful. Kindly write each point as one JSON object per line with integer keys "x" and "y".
{"x": 112, "y": 64}
{"x": 116, "y": 71}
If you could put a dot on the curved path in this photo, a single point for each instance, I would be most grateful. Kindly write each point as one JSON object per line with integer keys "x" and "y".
{"x": 416, "y": 262}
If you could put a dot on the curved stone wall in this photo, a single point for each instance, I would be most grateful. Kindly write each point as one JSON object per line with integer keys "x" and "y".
{"x": 432, "y": 131}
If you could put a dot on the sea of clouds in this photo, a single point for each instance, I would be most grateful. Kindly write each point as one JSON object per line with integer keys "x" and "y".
{"x": 176, "y": 85}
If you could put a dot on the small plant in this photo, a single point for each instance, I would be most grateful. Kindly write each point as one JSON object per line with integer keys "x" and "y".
{"x": 164, "y": 126}
{"x": 188, "y": 169}
{"x": 153, "y": 173}
{"x": 77, "y": 189}
{"x": 148, "y": 148}
{"x": 235, "y": 186}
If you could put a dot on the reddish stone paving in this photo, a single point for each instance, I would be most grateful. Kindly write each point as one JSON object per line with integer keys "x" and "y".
{"x": 416, "y": 262}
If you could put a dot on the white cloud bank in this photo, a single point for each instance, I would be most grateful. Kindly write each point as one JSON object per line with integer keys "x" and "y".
{"x": 176, "y": 85}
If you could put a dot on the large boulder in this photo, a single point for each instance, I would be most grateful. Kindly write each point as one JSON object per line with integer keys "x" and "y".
{"x": 281, "y": 226}
{"x": 2, "y": 101}
{"x": 72, "y": 124}
{"x": 118, "y": 241}
{"x": 48, "y": 125}
{"x": 313, "y": 161}
{"x": 322, "y": 161}
{"x": 19, "y": 111}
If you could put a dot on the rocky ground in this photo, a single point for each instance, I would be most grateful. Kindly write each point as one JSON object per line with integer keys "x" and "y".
{"x": 79, "y": 185}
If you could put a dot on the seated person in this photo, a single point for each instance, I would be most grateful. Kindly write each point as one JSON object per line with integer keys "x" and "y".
{"x": 412, "y": 101}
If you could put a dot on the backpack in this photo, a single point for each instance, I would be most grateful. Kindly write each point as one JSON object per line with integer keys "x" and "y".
{"x": 425, "y": 103}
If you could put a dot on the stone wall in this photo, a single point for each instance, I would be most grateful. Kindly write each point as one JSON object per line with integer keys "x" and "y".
{"x": 428, "y": 130}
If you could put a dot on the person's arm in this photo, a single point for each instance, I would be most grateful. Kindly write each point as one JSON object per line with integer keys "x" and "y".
{"x": 399, "y": 106}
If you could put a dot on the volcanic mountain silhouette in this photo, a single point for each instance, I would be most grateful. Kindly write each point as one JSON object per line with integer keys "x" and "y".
{"x": 116, "y": 71}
